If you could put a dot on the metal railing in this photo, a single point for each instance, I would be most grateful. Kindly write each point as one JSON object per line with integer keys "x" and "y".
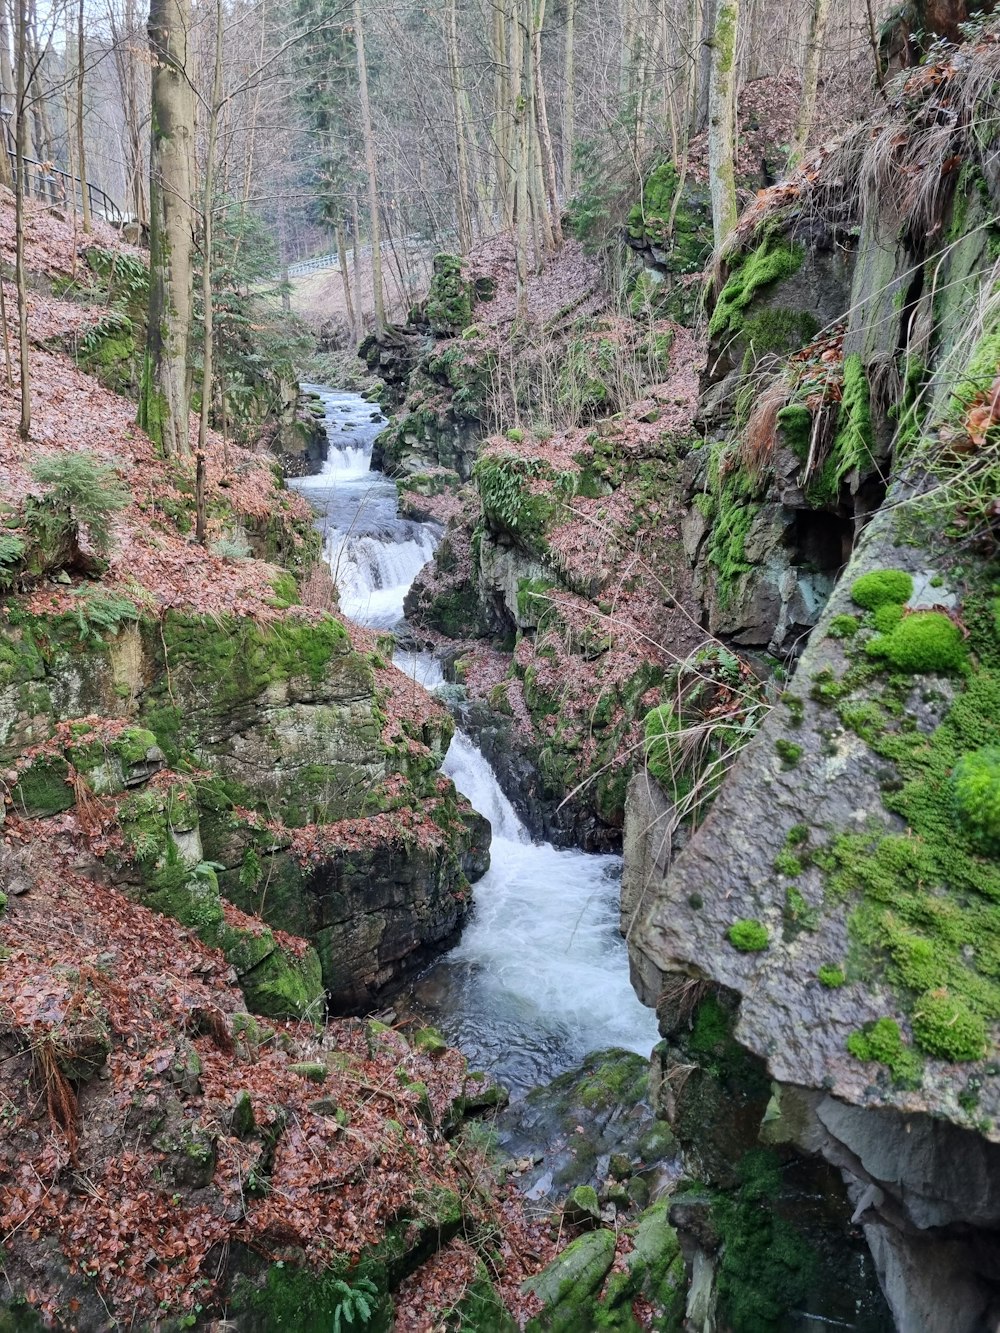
{"x": 61, "y": 190}
{"x": 313, "y": 265}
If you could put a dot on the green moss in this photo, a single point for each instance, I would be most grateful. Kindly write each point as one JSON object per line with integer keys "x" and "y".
{"x": 766, "y": 1268}
{"x": 787, "y": 863}
{"x": 843, "y": 627}
{"x": 831, "y": 975}
{"x": 795, "y": 423}
{"x": 927, "y": 641}
{"x": 772, "y": 260}
{"x": 309, "y": 1301}
{"x": 450, "y": 298}
{"x": 775, "y": 330}
{"x": 748, "y": 936}
{"x": 887, "y": 616}
{"x": 43, "y": 788}
{"x": 881, "y": 586}
{"x": 508, "y": 504}
{"x": 976, "y": 793}
{"x": 945, "y": 1027}
{"x": 854, "y": 442}
{"x": 788, "y": 752}
{"x": 882, "y": 1042}
{"x": 979, "y": 373}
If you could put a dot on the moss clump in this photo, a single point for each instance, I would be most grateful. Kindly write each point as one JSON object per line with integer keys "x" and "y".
{"x": 449, "y": 301}
{"x": 946, "y": 1028}
{"x": 772, "y": 260}
{"x": 776, "y": 330}
{"x": 43, "y": 789}
{"x": 509, "y": 505}
{"x": 831, "y": 976}
{"x": 684, "y": 231}
{"x": 887, "y": 616}
{"x": 843, "y": 627}
{"x": 748, "y": 936}
{"x": 923, "y": 642}
{"x": 788, "y": 752}
{"x": 787, "y": 863}
{"x": 732, "y": 506}
{"x": 881, "y": 586}
{"x": 882, "y": 1042}
{"x": 976, "y": 793}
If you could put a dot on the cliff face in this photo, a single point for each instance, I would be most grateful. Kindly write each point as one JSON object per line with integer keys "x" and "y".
{"x": 841, "y": 892}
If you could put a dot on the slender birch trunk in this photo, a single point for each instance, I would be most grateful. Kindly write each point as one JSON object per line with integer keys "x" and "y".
{"x": 373, "y": 203}
{"x": 722, "y": 119}
{"x": 520, "y": 104}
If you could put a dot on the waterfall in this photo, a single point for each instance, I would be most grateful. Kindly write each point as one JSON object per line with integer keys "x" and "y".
{"x": 540, "y": 977}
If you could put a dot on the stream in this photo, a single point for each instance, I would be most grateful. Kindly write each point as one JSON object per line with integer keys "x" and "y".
{"x": 540, "y": 976}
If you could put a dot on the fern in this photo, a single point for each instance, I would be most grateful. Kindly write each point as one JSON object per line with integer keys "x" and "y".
{"x": 80, "y": 492}
{"x": 11, "y": 554}
{"x": 355, "y": 1302}
{"x": 98, "y": 612}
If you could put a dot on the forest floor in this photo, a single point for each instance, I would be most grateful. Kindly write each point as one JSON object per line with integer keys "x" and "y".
{"x": 124, "y": 1051}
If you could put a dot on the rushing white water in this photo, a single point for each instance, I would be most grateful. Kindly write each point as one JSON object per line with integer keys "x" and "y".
{"x": 373, "y": 553}
{"x": 540, "y": 977}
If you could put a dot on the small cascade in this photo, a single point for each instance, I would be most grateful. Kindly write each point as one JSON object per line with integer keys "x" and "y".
{"x": 374, "y": 554}
{"x": 540, "y": 977}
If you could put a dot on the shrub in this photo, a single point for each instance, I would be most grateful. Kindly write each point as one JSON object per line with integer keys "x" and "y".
{"x": 881, "y": 586}
{"x": 945, "y": 1027}
{"x": 927, "y": 641}
{"x": 80, "y": 493}
{"x": 748, "y": 936}
{"x": 831, "y": 976}
{"x": 976, "y": 788}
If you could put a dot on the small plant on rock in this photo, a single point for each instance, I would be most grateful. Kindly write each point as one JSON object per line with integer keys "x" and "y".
{"x": 749, "y": 936}
{"x": 355, "y": 1302}
{"x": 976, "y": 787}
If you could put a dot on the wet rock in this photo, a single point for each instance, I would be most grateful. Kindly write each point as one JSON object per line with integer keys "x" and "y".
{"x": 569, "y": 1285}
{"x": 582, "y": 1208}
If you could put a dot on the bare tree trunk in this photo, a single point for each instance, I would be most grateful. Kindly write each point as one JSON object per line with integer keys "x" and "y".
{"x": 80, "y": 152}
{"x": 345, "y": 278}
{"x": 163, "y": 405}
{"x": 705, "y": 21}
{"x": 7, "y": 92}
{"x": 373, "y": 204}
{"x": 548, "y": 162}
{"x": 21, "y": 140}
{"x": 569, "y": 100}
{"x": 208, "y": 240}
{"x": 810, "y": 81}
{"x": 503, "y": 143}
{"x": 461, "y": 146}
{"x": 722, "y": 119}
{"x": 359, "y": 328}
{"x": 522, "y": 131}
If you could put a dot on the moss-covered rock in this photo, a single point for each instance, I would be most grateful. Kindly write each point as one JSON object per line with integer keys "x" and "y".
{"x": 570, "y": 1285}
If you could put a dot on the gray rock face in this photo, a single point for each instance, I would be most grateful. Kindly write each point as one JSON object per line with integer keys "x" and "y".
{"x": 927, "y": 1190}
